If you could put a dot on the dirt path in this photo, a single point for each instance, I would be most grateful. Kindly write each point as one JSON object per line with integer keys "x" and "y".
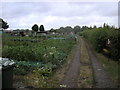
{"x": 71, "y": 76}
{"x": 101, "y": 79}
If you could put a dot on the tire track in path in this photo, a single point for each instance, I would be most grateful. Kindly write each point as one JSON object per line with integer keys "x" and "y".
{"x": 101, "y": 79}
{"x": 71, "y": 76}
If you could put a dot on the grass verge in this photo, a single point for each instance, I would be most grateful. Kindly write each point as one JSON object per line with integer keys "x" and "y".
{"x": 111, "y": 67}
{"x": 84, "y": 53}
{"x": 85, "y": 79}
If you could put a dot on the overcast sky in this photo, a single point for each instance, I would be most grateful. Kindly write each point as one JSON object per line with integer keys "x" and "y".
{"x": 57, "y": 14}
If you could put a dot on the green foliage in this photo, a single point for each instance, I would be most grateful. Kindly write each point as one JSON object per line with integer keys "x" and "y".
{"x": 99, "y": 36}
{"x": 64, "y": 30}
{"x": 25, "y": 67}
{"x": 77, "y": 29}
{"x": 46, "y": 54}
{"x": 41, "y": 51}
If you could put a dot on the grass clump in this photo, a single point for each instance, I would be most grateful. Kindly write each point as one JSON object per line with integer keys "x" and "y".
{"x": 84, "y": 53}
{"x": 85, "y": 79}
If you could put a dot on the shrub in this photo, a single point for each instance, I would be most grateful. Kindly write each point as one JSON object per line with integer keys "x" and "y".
{"x": 99, "y": 36}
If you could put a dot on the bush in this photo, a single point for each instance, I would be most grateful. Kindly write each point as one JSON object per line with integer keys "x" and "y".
{"x": 98, "y": 38}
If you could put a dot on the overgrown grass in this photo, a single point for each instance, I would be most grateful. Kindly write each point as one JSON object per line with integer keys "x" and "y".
{"x": 111, "y": 67}
{"x": 84, "y": 53}
{"x": 85, "y": 79}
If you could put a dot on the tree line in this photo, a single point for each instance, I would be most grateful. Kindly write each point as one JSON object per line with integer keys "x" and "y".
{"x": 35, "y": 27}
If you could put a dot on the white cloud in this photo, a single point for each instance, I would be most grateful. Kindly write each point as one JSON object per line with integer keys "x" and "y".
{"x": 57, "y": 14}
{"x": 50, "y": 19}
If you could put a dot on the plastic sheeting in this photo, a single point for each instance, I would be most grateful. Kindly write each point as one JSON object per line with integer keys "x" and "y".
{"x": 5, "y": 62}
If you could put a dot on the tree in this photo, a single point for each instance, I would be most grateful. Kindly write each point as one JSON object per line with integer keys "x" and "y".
{"x": 51, "y": 30}
{"x": 4, "y": 24}
{"x": 35, "y": 27}
{"x": 94, "y": 26}
{"x": 41, "y": 28}
{"x": 68, "y": 29}
{"x": 77, "y": 29}
{"x": 62, "y": 28}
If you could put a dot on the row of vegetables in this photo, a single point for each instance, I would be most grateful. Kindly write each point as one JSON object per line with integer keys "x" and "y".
{"x": 47, "y": 55}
